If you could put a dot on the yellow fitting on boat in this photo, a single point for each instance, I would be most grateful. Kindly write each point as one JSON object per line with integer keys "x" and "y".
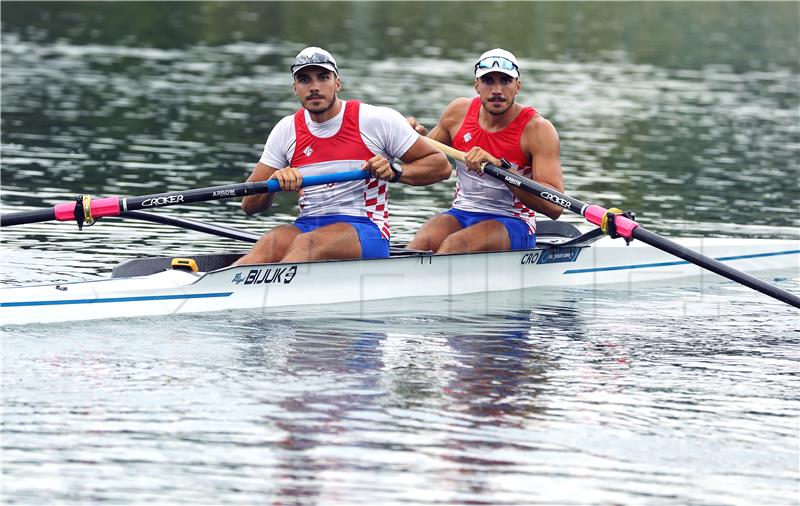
{"x": 185, "y": 263}
{"x": 87, "y": 209}
{"x": 604, "y": 223}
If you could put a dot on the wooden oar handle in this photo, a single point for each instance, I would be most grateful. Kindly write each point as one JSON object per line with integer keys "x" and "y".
{"x": 449, "y": 150}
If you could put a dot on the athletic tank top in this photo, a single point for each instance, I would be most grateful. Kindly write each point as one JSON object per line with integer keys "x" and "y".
{"x": 480, "y": 192}
{"x": 341, "y": 152}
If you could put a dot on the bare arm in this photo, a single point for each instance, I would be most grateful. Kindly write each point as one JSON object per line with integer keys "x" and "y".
{"x": 449, "y": 122}
{"x": 540, "y": 141}
{"x": 253, "y": 204}
{"x": 422, "y": 165}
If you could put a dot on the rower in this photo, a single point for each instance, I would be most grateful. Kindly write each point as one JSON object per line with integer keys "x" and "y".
{"x": 342, "y": 221}
{"x": 487, "y": 214}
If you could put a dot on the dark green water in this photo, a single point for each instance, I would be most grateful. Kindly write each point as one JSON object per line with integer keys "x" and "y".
{"x": 687, "y": 113}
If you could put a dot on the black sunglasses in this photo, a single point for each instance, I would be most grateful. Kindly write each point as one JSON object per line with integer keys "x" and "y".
{"x": 318, "y": 58}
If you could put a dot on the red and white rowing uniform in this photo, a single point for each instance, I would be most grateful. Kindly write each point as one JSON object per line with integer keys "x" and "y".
{"x": 343, "y": 143}
{"x": 484, "y": 194}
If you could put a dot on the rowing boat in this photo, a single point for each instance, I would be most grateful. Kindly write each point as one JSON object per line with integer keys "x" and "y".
{"x": 202, "y": 283}
{"x": 564, "y": 257}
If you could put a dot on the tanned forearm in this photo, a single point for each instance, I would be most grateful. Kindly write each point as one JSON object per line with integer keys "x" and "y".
{"x": 540, "y": 139}
{"x": 538, "y": 204}
{"x": 429, "y": 169}
{"x": 254, "y": 204}
{"x": 424, "y": 164}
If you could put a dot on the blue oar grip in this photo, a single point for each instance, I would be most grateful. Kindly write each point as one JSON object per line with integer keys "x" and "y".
{"x": 336, "y": 177}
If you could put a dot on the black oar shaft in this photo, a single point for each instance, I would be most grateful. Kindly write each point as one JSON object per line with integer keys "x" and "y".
{"x": 196, "y": 195}
{"x": 715, "y": 266}
{"x": 542, "y": 191}
{"x": 21, "y": 218}
{"x": 208, "y": 228}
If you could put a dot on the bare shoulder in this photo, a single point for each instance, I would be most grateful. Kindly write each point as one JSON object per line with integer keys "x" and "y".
{"x": 539, "y": 132}
{"x": 539, "y": 125}
{"x": 450, "y": 120}
{"x": 455, "y": 111}
{"x": 461, "y": 103}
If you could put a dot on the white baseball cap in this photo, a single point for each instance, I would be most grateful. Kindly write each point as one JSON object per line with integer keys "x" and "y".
{"x": 497, "y": 60}
{"x": 314, "y": 56}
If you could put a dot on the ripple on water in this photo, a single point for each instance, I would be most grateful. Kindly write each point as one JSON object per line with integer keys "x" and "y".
{"x": 666, "y": 393}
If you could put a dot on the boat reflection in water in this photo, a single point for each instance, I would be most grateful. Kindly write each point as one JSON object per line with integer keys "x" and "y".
{"x": 451, "y": 388}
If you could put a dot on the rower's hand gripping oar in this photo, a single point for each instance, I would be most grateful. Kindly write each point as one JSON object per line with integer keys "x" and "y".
{"x": 621, "y": 225}
{"x": 86, "y": 210}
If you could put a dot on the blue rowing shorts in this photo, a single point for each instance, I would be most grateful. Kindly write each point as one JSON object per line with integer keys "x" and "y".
{"x": 372, "y": 244}
{"x": 519, "y": 234}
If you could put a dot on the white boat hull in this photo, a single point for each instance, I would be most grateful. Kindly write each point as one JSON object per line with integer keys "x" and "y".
{"x": 290, "y": 285}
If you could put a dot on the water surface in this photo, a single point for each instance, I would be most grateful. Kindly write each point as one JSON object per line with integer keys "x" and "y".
{"x": 670, "y": 393}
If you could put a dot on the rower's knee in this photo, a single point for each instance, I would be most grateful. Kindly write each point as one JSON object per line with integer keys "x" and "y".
{"x": 432, "y": 235}
{"x": 260, "y": 254}
{"x": 454, "y": 243}
{"x": 423, "y": 242}
{"x": 270, "y": 248}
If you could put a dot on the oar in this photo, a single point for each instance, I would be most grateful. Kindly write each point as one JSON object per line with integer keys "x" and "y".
{"x": 86, "y": 210}
{"x": 627, "y": 228}
{"x": 198, "y": 226}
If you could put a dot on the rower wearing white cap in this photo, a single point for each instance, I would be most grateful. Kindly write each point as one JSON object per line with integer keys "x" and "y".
{"x": 487, "y": 214}
{"x": 328, "y": 135}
